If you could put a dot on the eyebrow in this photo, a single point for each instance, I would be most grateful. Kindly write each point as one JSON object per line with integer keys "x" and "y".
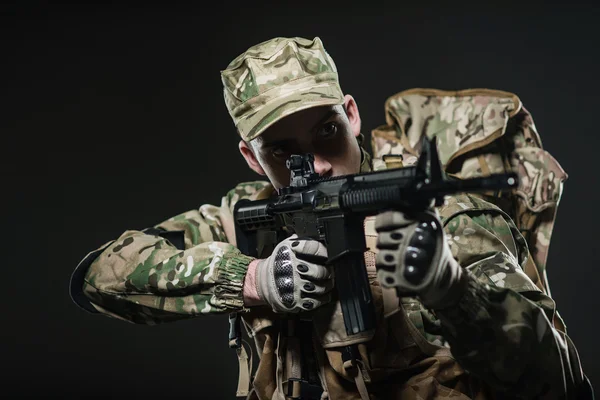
{"x": 275, "y": 143}
{"x": 327, "y": 116}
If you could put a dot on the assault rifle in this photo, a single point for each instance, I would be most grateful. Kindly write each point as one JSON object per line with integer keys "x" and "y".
{"x": 332, "y": 210}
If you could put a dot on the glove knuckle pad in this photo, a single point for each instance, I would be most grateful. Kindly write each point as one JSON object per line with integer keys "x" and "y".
{"x": 283, "y": 275}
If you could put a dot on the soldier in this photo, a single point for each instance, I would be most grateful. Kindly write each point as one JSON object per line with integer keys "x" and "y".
{"x": 485, "y": 326}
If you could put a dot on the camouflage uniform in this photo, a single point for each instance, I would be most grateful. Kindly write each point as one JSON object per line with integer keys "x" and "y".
{"x": 503, "y": 338}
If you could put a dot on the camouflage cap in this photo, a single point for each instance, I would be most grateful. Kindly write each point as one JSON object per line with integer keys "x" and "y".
{"x": 276, "y": 78}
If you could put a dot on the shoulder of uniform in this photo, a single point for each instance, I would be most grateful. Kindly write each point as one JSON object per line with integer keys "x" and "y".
{"x": 251, "y": 190}
{"x": 464, "y": 202}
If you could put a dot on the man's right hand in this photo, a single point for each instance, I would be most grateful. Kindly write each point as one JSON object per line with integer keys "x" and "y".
{"x": 294, "y": 278}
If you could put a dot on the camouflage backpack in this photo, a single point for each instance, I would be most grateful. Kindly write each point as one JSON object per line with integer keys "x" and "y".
{"x": 480, "y": 131}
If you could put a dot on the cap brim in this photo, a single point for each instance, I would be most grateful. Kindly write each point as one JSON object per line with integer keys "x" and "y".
{"x": 321, "y": 94}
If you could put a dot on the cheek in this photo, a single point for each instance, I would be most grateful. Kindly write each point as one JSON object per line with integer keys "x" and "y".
{"x": 346, "y": 157}
{"x": 277, "y": 172}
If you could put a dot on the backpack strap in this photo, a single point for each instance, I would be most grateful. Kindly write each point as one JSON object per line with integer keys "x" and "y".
{"x": 244, "y": 364}
{"x": 351, "y": 363}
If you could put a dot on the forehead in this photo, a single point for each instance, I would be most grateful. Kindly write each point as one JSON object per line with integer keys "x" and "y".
{"x": 298, "y": 124}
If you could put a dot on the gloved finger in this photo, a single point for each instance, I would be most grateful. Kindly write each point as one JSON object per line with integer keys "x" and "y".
{"x": 316, "y": 288}
{"x": 387, "y": 259}
{"x": 390, "y": 220}
{"x": 390, "y": 239}
{"x": 310, "y": 303}
{"x": 310, "y": 250}
{"x": 312, "y": 271}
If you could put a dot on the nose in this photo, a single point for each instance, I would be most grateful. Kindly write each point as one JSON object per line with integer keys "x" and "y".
{"x": 322, "y": 166}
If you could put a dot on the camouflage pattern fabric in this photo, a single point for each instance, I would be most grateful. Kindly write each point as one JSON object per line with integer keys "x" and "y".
{"x": 472, "y": 350}
{"x": 482, "y": 131}
{"x": 502, "y": 303}
{"x": 143, "y": 278}
{"x": 460, "y": 120}
{"x": 205, "y": 276}
{"x": 276, "y": 78}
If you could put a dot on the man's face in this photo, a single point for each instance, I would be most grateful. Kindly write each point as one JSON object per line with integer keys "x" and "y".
{"x": 328, "y": 132}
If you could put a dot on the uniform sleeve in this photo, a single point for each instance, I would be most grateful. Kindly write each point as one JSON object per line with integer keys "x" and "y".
{"x": 185, "y": 266}
{"x": 501, "y": 329}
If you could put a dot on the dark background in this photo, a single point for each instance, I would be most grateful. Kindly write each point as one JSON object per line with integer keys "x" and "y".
{"x": 113, "y": 119}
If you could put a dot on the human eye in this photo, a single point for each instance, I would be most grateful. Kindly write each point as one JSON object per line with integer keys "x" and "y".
{"x": 279, "y": 152}
{"x": 328, "y": 130}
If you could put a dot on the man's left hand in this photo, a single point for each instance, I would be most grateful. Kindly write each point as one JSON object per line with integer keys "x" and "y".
{"x": 414, "y": 257}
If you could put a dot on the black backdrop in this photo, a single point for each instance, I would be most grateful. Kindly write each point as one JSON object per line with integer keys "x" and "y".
{"x": 113, "y": 119}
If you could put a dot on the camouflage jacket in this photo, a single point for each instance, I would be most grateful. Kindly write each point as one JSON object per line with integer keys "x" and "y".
{"x": 505, "y": 332}
{"x": 189, "y": 265}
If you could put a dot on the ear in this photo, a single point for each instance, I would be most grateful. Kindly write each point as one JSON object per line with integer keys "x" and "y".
{"x": 353, "y": 115}
{"x": 250, "y": 158}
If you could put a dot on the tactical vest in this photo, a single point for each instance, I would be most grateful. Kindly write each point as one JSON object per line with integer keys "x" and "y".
{"x": 479, "y": 132}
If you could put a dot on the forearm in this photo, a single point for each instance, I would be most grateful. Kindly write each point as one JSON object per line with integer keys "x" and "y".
{"x": 500, "y": 330}
{"x": 250, "y": 292}
{"x": 508, "y": 341}
{"x": 143, "y": 279}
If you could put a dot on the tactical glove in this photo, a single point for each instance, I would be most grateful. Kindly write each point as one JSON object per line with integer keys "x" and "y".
{"x": 294, "y": 278}
{"x": 414, "y": 257}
